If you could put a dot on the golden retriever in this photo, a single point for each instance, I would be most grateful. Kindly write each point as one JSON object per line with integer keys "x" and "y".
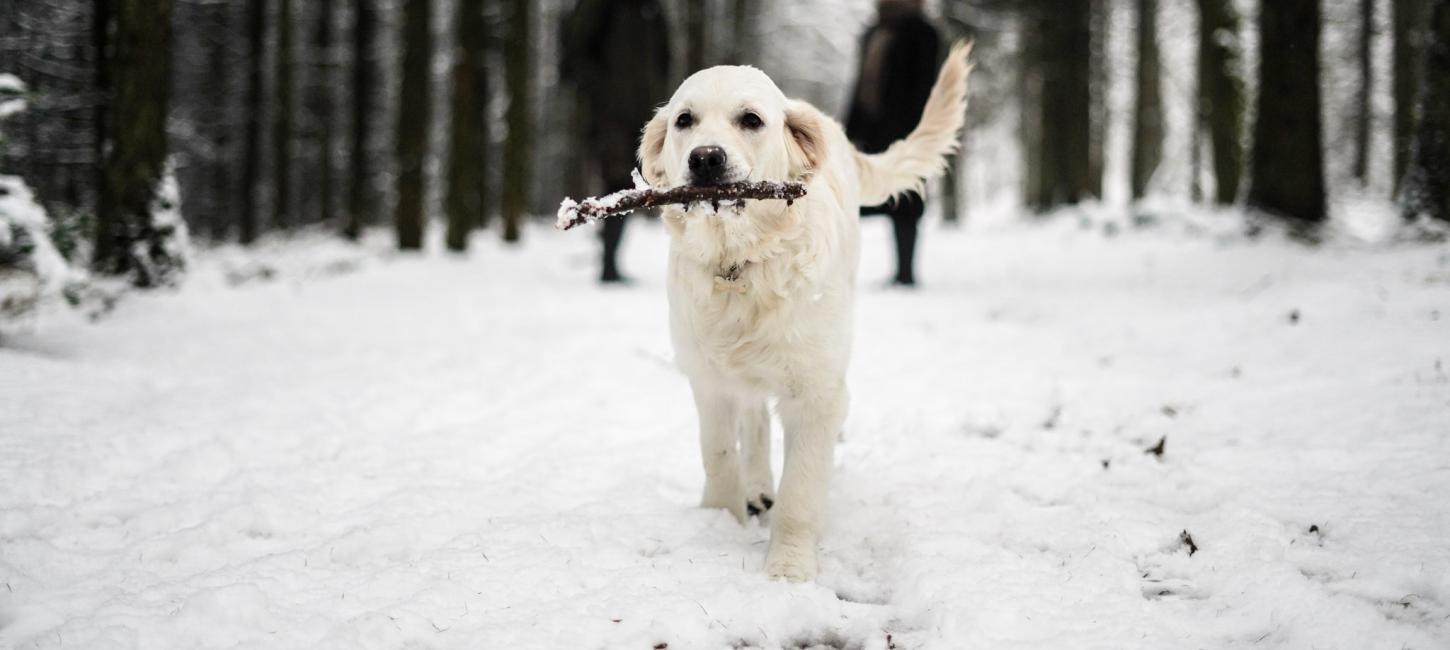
{"x": 761, "y": 294}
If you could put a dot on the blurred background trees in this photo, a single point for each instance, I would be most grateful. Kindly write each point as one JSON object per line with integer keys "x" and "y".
{"x": 439, "y": 114}
{"x": 1288, "y": 164}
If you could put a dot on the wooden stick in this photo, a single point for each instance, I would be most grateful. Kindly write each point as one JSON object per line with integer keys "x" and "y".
{"x": 576, "y": 213}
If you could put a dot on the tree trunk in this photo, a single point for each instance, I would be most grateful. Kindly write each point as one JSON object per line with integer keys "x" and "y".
{"x": 517, "y": 149}
{"x": 744, "y": 15}
{"x": 1221, "y": 94}
{"x": 360, "y": 211}
{"x": 952, "y": 203}
{"x": 136, "y": 57}
{"x": 1427, "y": 181}
{"x": 413, "y": 119}
{"x": 1098, "y": 87}
{"x": 1408, "y": 20}
{"x": 1288, "y": 161}
{"x": 1065, "y": 51}
{"x": 320, "y": 109}
{"x": 282, "y": 119}
{"x": 1363, "y": 115}
{"x": 220, "y": 209}
{"x": 696, "y": 35}
{"x": 1148, "y": 108}
{"x": 1195, "y": 161}
{"x": 252, "y": 108}
{"x": 1029, "y": 92}
{"x": 467, "y": 200}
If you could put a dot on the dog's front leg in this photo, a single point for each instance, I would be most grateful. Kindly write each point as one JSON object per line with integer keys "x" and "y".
{"x": 719, "y": 414}
{"x": 755, "y": 456}
{"x": 812, "y": 420}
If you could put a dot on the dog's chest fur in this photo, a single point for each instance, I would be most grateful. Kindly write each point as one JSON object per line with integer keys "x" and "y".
{"x": 740, "y": 291}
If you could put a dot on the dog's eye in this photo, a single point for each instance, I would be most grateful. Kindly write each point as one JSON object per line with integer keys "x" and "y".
{"x": 684, "y": 121}
{"x": 751, "y": 121}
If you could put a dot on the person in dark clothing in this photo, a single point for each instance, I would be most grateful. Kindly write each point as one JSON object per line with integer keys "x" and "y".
{"x": 899, "y": 56}
{"x": 617, "y": 54}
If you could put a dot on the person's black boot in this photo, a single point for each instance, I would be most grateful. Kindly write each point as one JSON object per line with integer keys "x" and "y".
{"x": 905, "y": 217}
{"x": 613, "y": 233}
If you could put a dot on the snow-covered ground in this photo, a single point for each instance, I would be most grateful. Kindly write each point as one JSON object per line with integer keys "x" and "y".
{"x": 353, "y": 450}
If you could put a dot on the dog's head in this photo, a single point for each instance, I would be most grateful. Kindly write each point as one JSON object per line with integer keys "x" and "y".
{"x": 728, "y": 124}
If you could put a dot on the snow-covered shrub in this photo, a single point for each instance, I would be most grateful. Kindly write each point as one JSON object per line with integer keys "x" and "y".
{"x": 160, "y": 257}
{"x": 32, "y": 268}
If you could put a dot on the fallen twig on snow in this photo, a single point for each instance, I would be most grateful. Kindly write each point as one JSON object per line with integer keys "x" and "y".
{"x": 577, "y": 213}
{"x": 1187, "y": 541}
{"x": 1157, "y": 450}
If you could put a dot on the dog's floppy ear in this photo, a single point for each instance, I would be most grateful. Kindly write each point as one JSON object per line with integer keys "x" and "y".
{"x": 651, "y": 147}
{"x": 805, "y": 140}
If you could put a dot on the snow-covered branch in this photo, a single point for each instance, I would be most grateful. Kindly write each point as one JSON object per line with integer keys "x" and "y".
{"x": 577, "y": 213}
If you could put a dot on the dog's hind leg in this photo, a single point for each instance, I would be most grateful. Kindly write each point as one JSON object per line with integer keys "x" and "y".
{"x": 719, "y": 414}
{"x": 812, "y": 420}
{"x": 755, "y": 455}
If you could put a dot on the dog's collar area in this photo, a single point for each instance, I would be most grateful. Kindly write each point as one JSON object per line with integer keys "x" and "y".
{"x": 731, "y": 273}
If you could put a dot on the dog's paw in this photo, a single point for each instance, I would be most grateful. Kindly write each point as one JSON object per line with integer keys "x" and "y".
{"x": 790, "y": 562}
{"x": 759, "y": 504}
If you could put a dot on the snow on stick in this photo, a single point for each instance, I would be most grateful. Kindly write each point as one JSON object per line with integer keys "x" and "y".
{"x": 576, "y": 213}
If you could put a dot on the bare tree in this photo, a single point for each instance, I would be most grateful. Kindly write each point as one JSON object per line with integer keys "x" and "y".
{"x": 220, "y": 167}
{"x": 1063, "y": 49}
{"x": 697, "y": 35}
{"x": 134, "y": 45}
{"x": 1409, "y": 16}
{"x": 467, "y": 199}
{"x": 1148, "y": 107}
{"x": 1427, "y": 179}
{"x": 1363, "y": 114}
{"x": 1100, "y": 15}
{"x": 1288, "y": 161}
{"x": 252, "y": 112}
{"x": 1221, "y": 95}
{"x": 1029, "y": 92}
{"x": 414, "y": 115}
{"x": 517, "y": 149}
{"x": 364, "y": 82}
{"x": 282, "y": 118}
{"x": 320, "y": 110}
{"x": 744, "y": 15}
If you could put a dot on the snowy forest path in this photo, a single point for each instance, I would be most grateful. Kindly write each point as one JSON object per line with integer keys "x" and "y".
{"x": 1062, "y": 440}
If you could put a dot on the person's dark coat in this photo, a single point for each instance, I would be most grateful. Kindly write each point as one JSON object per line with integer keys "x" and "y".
{"x": 899, "y": 56}
{"x": 617, "y": 52}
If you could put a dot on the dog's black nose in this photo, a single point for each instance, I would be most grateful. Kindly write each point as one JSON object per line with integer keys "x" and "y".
{"x": 707, "y": 164}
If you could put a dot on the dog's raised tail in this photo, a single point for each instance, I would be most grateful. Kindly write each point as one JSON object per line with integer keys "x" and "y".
{"x": 908, "y": 163}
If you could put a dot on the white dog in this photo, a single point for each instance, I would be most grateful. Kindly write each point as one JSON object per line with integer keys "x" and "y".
{"x": 761, "y": 299}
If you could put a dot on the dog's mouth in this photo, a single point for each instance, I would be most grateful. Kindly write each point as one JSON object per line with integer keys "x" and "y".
{"x": 725, "y": 177}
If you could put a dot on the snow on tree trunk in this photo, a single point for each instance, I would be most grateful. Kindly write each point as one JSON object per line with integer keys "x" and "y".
{"x": 138, "y": 234}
